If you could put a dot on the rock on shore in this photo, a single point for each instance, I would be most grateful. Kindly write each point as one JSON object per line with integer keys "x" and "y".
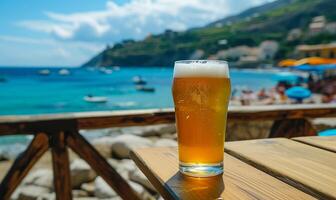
{"x": 38, "y": 185}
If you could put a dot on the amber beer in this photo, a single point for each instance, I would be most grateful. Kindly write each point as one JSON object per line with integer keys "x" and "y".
{"x": 201, "y": 91}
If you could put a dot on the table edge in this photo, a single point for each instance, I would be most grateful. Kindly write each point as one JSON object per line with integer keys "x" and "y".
{"x": 154, "y": 180}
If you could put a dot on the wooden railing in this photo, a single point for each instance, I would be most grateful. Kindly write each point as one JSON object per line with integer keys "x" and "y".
{"x": 60, "y": 131}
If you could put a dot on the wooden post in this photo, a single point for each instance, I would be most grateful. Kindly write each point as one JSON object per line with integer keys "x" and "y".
{"x": 85, "y": 150}
{"x": 60, "y": 160}
{"x": 292, "y": 128}
{"x": 23, "y": 163}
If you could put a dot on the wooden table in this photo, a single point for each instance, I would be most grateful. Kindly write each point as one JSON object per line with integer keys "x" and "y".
{"x": 301, "y": 168}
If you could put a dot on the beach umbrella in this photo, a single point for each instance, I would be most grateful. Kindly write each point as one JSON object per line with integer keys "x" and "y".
{"x": 308, "y": 68}
{"x": 298, "y": 93}
{"x": 287, "y": 63}
{"x": 330, "y": 132}
{"x": 327, "y": 67}
{"x": 315, "y": 61}
{"x": 286, "y": 76}
{"x": 315, "y": 68}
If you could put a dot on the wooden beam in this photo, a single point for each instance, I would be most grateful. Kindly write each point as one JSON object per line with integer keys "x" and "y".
{"x": 87, "y": 152}
{"x": 60, "y": 160}
{"x": 127, "y": 119}
{"x": 276, "y": 112}
{"x": 23, "y": 163}
{"x": 107, "y": 119}
{"x": 32, "y": 127}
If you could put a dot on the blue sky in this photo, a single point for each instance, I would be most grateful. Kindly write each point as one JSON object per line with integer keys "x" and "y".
{"x": 69, "y": 32}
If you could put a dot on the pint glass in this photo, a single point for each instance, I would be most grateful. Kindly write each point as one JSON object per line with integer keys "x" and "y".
{"x": 201, "y": 91}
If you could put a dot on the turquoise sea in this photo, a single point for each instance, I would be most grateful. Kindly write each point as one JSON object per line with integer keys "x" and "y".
{"x": 24, "y": 91}
{"x": 27, "y": 92}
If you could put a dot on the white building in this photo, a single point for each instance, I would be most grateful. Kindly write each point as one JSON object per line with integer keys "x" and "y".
{"x": 331, "y": 28}
{"x": 294, "y": 34}
{"x": 239, "y": 52}
{"x": 317, "y": 25}
{"x": 268, "y": 49}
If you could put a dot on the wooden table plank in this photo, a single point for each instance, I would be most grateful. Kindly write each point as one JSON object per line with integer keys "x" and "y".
{"x": 240, "y": 181}
{"x": 324, "y": 142}
{"x": 311, "y": 169}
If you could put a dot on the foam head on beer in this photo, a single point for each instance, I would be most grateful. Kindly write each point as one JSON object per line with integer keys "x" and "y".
{"x": 201, "y": 68}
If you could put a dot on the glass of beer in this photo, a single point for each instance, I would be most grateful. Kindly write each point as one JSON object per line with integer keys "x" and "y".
{"x": 201, "y": 92}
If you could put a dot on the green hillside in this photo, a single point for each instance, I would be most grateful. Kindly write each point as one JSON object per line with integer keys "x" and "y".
{"x": 272, "y": 22}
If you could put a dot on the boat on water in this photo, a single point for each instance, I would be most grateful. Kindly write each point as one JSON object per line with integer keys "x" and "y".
{"x": 64, "y": 72}
{"x": 116, "y": 68}
{"x": 106, "y": 70}
{"x": 91, "y": 69}
{"x": 95, "y": 99}
{"x": 138, "y": 80}
{"x": 44, "y": 72}
{"x": 2, "y": 79}
{"x": 143, "y": 88}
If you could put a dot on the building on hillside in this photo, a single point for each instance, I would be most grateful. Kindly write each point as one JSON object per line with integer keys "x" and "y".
{"x": 268, "y": 49}
{"x": 219, "y": 25}
{"x": 317, "y": 25}
{"x": 197, "y": 54}
{"x": 222, "y": 42}
{"x": 320, "y": 50}
{"x": 170, "y": 33}
{"x": 249, "y": 59}
{"x": 294, "y": 34}
{"x": 238, "y": 53}
{"x": 265, "y": 51}
{"x": 149, "y": 36}
{"x": 331, "y": 28}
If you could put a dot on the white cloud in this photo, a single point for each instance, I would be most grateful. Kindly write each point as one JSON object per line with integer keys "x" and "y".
{"x": 24, "y": 40}
{"x": 71, "y": 39}
{"x": 50, "y": 52}
{"x": 136, "y": 19}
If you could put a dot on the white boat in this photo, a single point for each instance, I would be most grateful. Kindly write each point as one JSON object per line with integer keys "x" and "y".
{"x": 44, "y": 72}
{"x": 116, "y": 68}
{"x": 105, "y": 70}
{"x": 108, "y": 71}
{"x": 91, "y": 69}
{"x": 95, "y": 99}
{"x": 138, "y": 80}
{"x": 64, "y": 72}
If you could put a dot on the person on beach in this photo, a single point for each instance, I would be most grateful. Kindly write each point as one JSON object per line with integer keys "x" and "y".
{"x": 328, "y": 98}
{"x": 262, "y": 94}
{"x": 247, "y": 97}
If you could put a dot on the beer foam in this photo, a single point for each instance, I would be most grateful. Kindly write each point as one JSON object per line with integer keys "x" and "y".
{"x": 201, "y": 68}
